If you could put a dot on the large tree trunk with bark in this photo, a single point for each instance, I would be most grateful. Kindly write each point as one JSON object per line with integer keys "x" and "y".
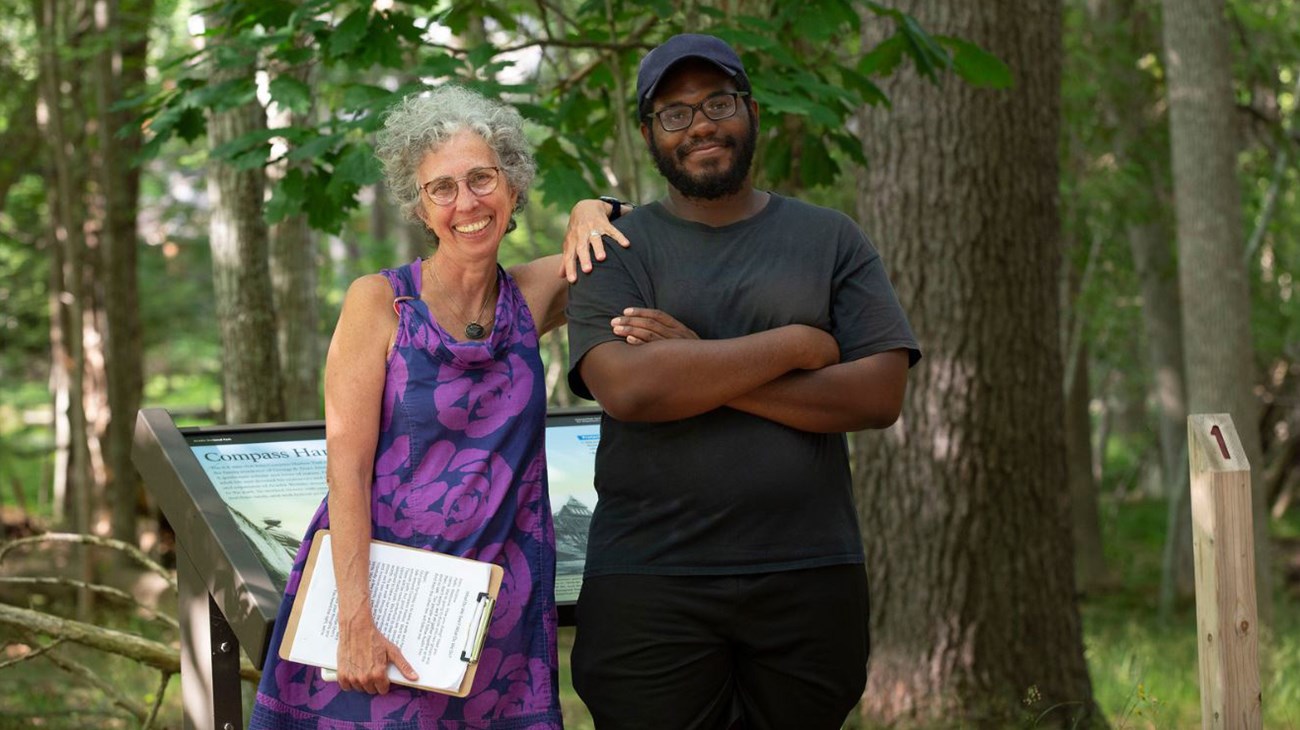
{"x": 964, "y": 503}
{"x": 252, "y": 386}
{"x": 1220, "y": 362}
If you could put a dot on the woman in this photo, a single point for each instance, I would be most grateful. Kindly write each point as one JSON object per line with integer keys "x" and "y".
{"x": 434, "y": 409}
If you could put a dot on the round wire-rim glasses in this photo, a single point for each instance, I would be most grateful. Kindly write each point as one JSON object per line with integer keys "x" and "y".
{"x": 480, "y": 181}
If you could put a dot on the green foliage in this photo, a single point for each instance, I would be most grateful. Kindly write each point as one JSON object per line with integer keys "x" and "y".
{"x": 24, "y": 281}
{"x": 366, "y": 58}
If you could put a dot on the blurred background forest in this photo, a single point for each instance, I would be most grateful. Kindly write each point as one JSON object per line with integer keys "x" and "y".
{"x": 1089, "y": 209}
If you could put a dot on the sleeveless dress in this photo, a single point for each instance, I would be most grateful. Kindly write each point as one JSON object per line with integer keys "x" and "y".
{"x": 460, "y": 467}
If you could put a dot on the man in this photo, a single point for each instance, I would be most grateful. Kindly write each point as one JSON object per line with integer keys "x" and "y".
{"x": 731, "y": 349}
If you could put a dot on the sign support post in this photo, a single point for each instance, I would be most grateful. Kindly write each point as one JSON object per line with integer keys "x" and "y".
{"x": 1224, "y": 550}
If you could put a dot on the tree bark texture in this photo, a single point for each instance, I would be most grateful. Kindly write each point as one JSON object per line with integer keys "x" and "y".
{"x": 295, "y": 269}
{"x": 1215, "y": 285}
{"x": 67, "y": 218}
{"x": 124, "y": 33}
{"x": 252, "y": 387}
{"x": 964, "y": 503}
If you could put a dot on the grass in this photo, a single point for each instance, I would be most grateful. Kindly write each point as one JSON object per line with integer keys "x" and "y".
{"x": 1144, "y": 671}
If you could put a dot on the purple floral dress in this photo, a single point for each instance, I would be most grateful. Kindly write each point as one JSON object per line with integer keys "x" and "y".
{"x": 460, "y": 468}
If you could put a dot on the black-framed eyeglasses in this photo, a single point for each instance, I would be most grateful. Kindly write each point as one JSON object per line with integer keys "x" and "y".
{"x": 676, "y": 117}
{"x": 480, "y": 181}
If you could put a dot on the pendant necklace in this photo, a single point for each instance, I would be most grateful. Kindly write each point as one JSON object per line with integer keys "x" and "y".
{"x": 473, "y": 330}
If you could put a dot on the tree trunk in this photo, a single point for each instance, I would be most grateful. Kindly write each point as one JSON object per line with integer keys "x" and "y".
{"x": 1162, "y": 321}
{"x": 294, "y": 269}
{"x": 66, "y": 227}
{"x": 124, "y": 31}
{"x": 1090, "y": 570}
{"x": 294, "y": 272}
{"x": 1121, "y": 31}
{"x": 252, "y": 386}
{"x": 964, "y": 503}
{"x": 1220, "y": 362}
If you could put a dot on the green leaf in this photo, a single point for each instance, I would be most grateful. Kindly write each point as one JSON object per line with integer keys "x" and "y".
{"x": 287, "y": 197}
{"x": 930, "y": 58}
{"x": 314, "y": 149}
{"x": 191, "y": 125}
{"x": 831, "y": 20}
{"x": 977, "y": 66}
{"x": 244, "y": 143}
{"x": 366, "y": 96}
{"x": 851, "y": 146}
{"x": 560, "y": 177}
{"x": 358, "y": 166}
{"x": 815, "y": 164}
{"x": 437, "y": 64}
{"x": 776, "y": 159}
{"x": 291, "y": 94}
{"x": 802, "y": 106}
{"x": 885, "y": 57}
{"x": 865, "y": 89}
{"x": 349, "y": 34}
{"x": 225, "y": 95}
{"x": 324, "y": 211}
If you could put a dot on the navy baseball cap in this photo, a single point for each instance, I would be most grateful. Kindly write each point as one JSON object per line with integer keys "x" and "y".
{"x": 679, "y": 48}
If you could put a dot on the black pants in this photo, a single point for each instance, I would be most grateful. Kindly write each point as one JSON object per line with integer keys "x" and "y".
{"x": 768, "y": 651}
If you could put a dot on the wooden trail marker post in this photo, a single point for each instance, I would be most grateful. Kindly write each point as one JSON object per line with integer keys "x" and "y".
{"x": 1224, "y": 549}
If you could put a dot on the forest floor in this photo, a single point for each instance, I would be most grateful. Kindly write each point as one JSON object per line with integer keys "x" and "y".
{"x": 1144, "y": 671}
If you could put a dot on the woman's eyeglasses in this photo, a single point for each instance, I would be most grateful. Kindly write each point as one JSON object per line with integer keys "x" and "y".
{"x": 480, "y": 181}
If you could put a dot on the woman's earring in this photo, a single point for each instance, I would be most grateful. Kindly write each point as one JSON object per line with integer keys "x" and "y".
{"x": 512, "y": 225}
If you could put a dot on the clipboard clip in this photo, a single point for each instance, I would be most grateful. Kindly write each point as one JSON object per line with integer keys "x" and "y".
{"x": 475, "y": 640}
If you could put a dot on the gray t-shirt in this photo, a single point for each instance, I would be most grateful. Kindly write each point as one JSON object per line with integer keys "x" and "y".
{"x": 728, "y": 492}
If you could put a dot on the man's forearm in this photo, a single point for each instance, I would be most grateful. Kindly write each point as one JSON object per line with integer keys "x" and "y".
{"x": 865, "y": 393}
{"x": 674, "y": 379}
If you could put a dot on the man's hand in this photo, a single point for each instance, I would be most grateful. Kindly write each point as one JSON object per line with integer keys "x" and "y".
{"x": 584, "y": 239}
{"x": 639, "y": 326}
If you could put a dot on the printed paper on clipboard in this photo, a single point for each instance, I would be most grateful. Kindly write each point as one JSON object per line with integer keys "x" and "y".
{"x": 435, "y": 607}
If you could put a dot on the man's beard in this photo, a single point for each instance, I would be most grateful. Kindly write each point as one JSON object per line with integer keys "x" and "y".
{"x": 712, "y": 184}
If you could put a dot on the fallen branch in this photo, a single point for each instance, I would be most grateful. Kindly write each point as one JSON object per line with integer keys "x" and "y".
{"x": 130, "y": 550}
{"x": 89, "y": 677}
{"x": 144, "y": 651}
{"x": 32, "y": 655}
{"x": 157, "y": 702}
{"x": 95, "y": 588}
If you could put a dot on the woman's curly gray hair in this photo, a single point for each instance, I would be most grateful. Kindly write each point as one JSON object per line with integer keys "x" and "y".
{"x": 422, "y": 122}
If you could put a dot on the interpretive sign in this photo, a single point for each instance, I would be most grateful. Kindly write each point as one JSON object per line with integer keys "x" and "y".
{"x": 571, "y": 439}
{"x": 240, "y": 498}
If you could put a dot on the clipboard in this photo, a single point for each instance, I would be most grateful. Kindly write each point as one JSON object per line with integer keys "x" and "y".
{"x": 470, "y": 650}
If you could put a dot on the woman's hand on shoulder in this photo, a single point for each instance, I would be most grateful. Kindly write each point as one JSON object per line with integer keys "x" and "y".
{"x": 584, "y": 240}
